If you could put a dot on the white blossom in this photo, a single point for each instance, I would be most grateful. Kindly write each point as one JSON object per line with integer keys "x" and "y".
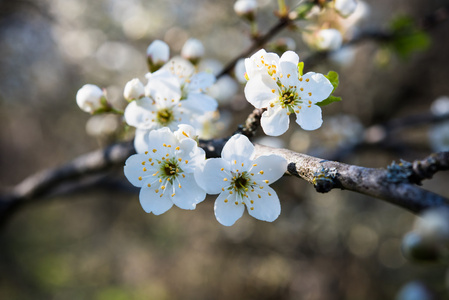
{"x": 134, "y": 90}
{"x": 245, "y": 7}
{"x": 90, "y": 98}
{"x": 192, "y": 50}
{"x": 278, "y": 87}
{"x": 158, "y": 53}
{"x": 345, "y": 7}
{"x": 165, "y": 172}
{"x": 328, "y": 39}
{"x": 242, "y": 181}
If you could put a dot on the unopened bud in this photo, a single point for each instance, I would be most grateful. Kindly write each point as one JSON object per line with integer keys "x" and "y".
{"x": 246, "y": 9}
{"x": 90, "y": 98}
{"x": 328, "y": 39}
{"x": 345, "y": 7}
{"x": 193, "y": 50}
{"x": 134, "y": 90}
{"x": 158, "y": 53}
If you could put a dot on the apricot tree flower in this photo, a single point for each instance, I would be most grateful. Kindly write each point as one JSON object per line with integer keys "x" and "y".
{"x": 279, "y": 88}
{"x": 90, "y": 98}
{"x": 240, "y": 180}
{"x": 165, "y": 172}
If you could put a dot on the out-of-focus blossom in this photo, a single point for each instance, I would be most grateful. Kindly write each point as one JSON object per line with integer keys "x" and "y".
{"x": 328, "y": 39}
{"x": 246, "y": 9}
{"x": 439, "y": 137}
{"x": 158, "y": 53}
{"x": 193, "y": 50}
{"x": 134, "y": 90}
{"x": 440, "y": 106}
{"x": 345, "y": 7}
{"x": 90, "y": 98}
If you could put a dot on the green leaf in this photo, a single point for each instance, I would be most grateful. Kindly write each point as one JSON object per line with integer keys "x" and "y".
{"x": 304, "y": 9}
{"x": 329, "y": 100}
{"x": 333, "y": 78}
{"x": 301, "y": 68}
{"x": 407, "y": 37}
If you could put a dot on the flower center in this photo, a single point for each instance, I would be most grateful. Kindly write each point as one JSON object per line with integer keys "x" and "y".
{"x": 165, "y": 116}
{"x": 169, "y": 169}
{"x": 241, "y": 182}
{"x": 289, "y": 97}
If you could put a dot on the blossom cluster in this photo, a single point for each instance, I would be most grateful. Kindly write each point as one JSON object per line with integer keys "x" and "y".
{"x": 275, "y": 84}
{"x": 167, "y": 112}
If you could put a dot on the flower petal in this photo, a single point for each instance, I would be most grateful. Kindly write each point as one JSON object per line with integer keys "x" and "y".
{"x": 137, "y": 169}
{"x": 210, "y": 177}
{"x": 228, "y": 212}
{"x": 266, "y": 206}
{"x": 189, "y": 194}
{"x": 291, "y": 57}
{"x": 152, "y": 202}
{"x": 275, "y": 121}
{"x": 238, "y": 148}
{"x": 268, "y": 167}
{"x": 309, "y": 118}
{"x": 139, "y": 114}
{"x": 142, "y": 140}
{"x": 319, "y": 86}
{"x": 261, "y": 90}
{"x": 201, "y": 81}
{"x": 163, "y": 81}
{"x": 199, "y": 103}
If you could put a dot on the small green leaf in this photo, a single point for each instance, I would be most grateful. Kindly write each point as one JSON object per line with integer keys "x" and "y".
{"x": 304, "y": 9}
{"x": 329, "y": 100}
{"x": 407, "y": 37}
{"x": 333, "y": 78}
{"x": 301, "y": 68}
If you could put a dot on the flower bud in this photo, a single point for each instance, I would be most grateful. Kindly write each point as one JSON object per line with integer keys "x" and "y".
{"x": 134, "y": 90}
{"x": 246, "y": 9}
{"x": 90, "y": 98}
{"x": 193, "y": 50}
{"x": 345, "y": 7}
{"x": 158, "y": 54}
{"x": 328, "y": 39}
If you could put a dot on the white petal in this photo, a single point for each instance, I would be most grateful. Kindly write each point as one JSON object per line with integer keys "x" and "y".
{"x": 290, "y": 56}
{"x": 162, "y": 81}
{"x": 201, "y": 81}
{"x": 189, "y": 195}
{"x": 139, "y": 113}
{"x": 134, "y": 169}
{"x": 266, "y": 204}
{"x": 238, "y": 148}
{"x": 210, "y": 177}
{"x": 309, "y": 118}
{"x": 269, "y": 167}
{"x": 152, "y": 202}
{"x": 161, "y": 136}
{"x": 142, "y": 140}
{"x": 228, "y": 212}
{"x": 259, "y": 90}
{"x": 289, "y": 68}
{"x": 199, "y": 103}
{"x": 318, "y": 85}
{"x": 275, "y": 121}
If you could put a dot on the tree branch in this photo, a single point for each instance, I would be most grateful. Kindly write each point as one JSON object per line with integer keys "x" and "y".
{"x": 327, "y": 175}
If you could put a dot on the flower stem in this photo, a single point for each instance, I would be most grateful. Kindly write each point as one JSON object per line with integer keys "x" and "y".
{"x": 282, "y": 8}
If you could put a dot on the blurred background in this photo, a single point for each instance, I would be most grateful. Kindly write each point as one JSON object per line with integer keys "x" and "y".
{"x": 97, "y": 242}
